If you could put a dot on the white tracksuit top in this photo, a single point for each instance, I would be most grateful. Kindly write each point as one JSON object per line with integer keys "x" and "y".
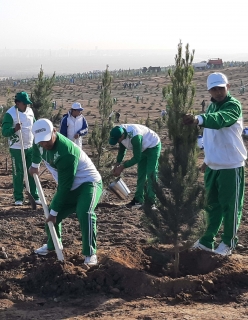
{"x": 150, "y": 138}
{"x": 27, "y": 120}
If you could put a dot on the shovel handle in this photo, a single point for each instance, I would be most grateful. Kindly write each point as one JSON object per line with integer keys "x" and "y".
{"x": 57, "y": 244}
{"x": 23, "y": 154}
{"x": 31, "y": 199}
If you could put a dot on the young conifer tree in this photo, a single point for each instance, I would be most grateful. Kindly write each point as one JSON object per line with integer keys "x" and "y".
{"x": 148, "y": 121}
{"x": 41, "y": 96}
{"x": 179, "y": 192}
{"x": 100, "y": 133}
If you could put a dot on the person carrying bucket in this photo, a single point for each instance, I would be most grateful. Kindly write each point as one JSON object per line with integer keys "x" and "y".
{"x": 146, "y": 147}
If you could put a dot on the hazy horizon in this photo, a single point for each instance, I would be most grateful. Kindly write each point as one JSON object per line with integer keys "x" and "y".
{"x": 27, "y": 63}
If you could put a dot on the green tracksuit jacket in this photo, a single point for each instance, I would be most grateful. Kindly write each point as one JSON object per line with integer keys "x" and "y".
{"x": 79, "y": 188}
{"x": 146, "y": 147}
{"x": 225, "y": 156}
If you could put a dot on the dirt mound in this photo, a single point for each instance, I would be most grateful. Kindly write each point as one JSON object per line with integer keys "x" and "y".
{"x": 191, "y": 262}
{"x": 124, "y": 274}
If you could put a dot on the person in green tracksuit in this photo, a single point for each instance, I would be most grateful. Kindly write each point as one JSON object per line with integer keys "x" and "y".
{"x": 11, "y": 129}
{"x": 146, "y": 147}
{"x": 224, "y": 162}
{"x": 79, "y": 185}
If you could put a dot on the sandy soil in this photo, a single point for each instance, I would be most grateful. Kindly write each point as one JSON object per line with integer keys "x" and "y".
{"x": 132, "y": 280}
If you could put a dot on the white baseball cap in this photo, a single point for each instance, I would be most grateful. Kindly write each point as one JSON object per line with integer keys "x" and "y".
{"x": 77, "y": 106}
{"x": 42, "y": 130}
{"x": 216, "y": 79}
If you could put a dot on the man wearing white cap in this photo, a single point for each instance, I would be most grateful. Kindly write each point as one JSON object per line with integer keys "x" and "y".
{"x": 74, "y": 125}
{"x": 224, "y": 162}
{"x": 79, "y": 185}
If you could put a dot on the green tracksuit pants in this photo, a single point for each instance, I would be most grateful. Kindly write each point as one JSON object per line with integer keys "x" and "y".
{"x": 18, "y": 175}
{"x": 225, "y": 196}
{"x": 83, "y": 201}
{"x": 147, "y": 171}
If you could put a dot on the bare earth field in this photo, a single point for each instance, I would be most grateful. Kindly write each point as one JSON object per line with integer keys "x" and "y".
{"x": 133, "y": 279}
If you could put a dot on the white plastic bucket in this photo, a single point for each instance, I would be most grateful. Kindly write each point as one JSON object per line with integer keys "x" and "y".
{"x": 119, "y": 188}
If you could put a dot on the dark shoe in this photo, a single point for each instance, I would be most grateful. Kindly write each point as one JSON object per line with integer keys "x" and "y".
{"x": 151, "y": 206}
{"x": 133, "y": 204}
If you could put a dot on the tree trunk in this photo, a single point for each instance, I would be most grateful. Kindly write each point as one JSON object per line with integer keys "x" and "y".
{"x": 176, "y": 261}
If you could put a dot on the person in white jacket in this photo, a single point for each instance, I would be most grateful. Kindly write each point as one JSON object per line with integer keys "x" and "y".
{"x": 11, "y": 129}
{"x": 224, "y": 165}
{"x": 74, "y": 125}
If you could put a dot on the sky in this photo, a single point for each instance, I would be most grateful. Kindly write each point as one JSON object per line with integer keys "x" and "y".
{"x": 210, "y": 27}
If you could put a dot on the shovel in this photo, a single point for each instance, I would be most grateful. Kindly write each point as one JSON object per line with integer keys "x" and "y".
{"x": 30, "y": 198}
{"x": 42, "y": 172}
{"x": 57, "y": 244}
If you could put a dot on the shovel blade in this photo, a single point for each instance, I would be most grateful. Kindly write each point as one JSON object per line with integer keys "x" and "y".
{"x": 31, "y": 200}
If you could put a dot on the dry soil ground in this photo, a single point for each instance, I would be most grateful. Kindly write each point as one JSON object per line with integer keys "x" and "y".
{"x": 132, "y": 280}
